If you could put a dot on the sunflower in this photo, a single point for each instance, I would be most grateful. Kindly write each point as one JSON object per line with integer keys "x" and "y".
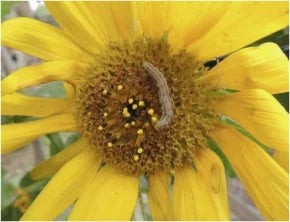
{"x": 145, "y": 104}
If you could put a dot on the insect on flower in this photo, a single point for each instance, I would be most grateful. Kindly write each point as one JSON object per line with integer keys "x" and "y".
{"x": 163, "y": 93}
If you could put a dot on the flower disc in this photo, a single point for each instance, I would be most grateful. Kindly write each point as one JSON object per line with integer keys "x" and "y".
{"x": 119, "y": 106}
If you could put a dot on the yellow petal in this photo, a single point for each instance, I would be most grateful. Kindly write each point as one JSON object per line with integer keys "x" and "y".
{"x": 93, "y": 24}
{"x": 69, "y": 89}
{"x": 185, "y": 22}
{"x": 64, "y": 188}
{"x": 18, "y": 104}
{"x": 76, "y": 24}
{"x": 41, "y": 40}
{"x": 189, "y": 21}
{"x": 111, "y": 195}
{"x": 191, "y": 196}
{"x": 159, "y": 199}
{"x": 154, "y": 17}
{"x": 16, "y": 135}
{"x": 265, "y": 181}
{"x": 126, "y": 22}
{"x": 242, "y": 24}
{"x": 282, "y": 158}
{"x": 253, "y": 67}
{"x": 49, "y": 167}
{"x": 45, "y": 72}
{"x": 259, "y": 113}
{"x": 211, "y": 168}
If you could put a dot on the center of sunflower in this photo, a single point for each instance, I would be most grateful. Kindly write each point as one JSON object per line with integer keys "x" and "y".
{"x": 141, "y": 108}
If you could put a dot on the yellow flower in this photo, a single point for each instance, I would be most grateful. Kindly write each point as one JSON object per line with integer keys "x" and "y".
{"x": 112, "y": 55}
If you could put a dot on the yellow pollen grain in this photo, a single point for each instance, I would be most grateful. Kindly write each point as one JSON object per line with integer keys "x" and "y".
{"x": 154, "y": 119}
{"x": 120, "y": 87}
{"x": 136, "y": 157}
{"x": 126, "y": 113}
{"x": 134, "y": 106}
{"x": 100, "y": 128}
{"x": 140, "y": 150}
{"x": 130, "y": 101}
{"x": 133, "y": 123}
{"x": 151, "y": 112}
{"x": 110, "y": 144}
{"x": 126, "y": 125}
{"x": 141, "y": 103}
{"x": 105, "y": 114}
{"x": 140, "y": 131}
{"x": 105, "y": 92}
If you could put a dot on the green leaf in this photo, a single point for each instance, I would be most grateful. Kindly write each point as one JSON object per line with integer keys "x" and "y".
{"x": 26, "y": 180}
{"x": 242, "y": 130}
{"x": 6, "y": 119}
{"x": 280, "y": 37}
{"x": 33, "y": 185}
{"x": 283, "y": 99}
{"x": 228, "y": 166}
{"x": 16, "y": 119}
{"x": 56, "y": 143}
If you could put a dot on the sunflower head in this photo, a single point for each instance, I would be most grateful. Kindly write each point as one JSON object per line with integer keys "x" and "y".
{"x": 140, "y": 121}
{"x": 138, "y": 92}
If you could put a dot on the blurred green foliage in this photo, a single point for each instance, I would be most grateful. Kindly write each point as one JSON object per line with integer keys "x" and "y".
{"x": 56, "y": 144}
{"x": 7, "y": 191}
{"x": 6, "y": 7}
{"x": 10, "y": 213}
{"x": 51, "y": 89}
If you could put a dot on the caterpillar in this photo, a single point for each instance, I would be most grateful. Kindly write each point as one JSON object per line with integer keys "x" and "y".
{"x": 163, "y": 94}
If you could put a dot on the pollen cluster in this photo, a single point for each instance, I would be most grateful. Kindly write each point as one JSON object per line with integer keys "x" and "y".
{"x": 118, "y": 106}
